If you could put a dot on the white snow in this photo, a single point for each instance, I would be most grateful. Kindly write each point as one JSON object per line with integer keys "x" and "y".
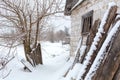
{"x": 96, "y": 39}
{"x": 101, "y": 53}
{"x": 118, "y": 16}
{"x": 73, "y": 73}
{"x": 55, "y": 64}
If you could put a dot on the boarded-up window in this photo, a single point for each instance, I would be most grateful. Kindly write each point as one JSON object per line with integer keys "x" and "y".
{"x": 87, "y": 22}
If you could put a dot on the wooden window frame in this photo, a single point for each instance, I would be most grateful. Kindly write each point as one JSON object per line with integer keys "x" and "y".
{"x": 87, "y": 20}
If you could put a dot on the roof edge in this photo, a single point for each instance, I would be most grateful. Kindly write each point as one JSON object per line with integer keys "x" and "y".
{"x": 77, "y": 4}
{"x": 69, "y": 7}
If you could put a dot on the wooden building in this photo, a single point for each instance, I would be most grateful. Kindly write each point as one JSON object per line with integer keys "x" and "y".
{"x": 96, "y": 25}
{"x": 83, "y": 14}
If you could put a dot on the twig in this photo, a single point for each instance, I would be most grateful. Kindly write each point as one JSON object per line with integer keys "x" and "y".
{"x": 6, "y": 63}
{"x": 7, "y": 75}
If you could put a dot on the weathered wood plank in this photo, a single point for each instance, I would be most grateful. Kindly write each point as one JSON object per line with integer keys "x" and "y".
{"x": 26, "y": 67}
{"x": 110, "y": 65}
{"x": 76, "y": 60}
{"x": 90, "y": 38}
{"x": 110, "y": 17}
{"x": 117, "y": 74}
{"x": 99, "y": 70}
{"x": 39, "y": 55}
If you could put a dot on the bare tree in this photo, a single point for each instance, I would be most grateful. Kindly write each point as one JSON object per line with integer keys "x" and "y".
{"x": 27, "y": 18}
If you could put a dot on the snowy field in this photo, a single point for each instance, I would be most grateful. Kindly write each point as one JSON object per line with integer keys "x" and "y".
{"x": 55, "y": 64}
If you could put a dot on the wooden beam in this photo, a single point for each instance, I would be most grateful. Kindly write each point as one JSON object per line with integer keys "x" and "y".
{"x": 90, "y": 38}
{"x": 117, "y": 74}
{"x": 110, "y": 17}
{"x": 109, "y": 68}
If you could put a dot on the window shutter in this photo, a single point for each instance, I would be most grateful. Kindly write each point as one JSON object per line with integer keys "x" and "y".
{"x": 87, "y": 22}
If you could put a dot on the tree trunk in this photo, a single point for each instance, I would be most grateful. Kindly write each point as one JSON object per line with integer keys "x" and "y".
{"x": 36, "y": 35}
{"x": 36, "y": 55}
{"x": 27, "y": 50}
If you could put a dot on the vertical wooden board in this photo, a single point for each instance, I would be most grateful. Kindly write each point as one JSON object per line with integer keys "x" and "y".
{"x": 39, "y": 54}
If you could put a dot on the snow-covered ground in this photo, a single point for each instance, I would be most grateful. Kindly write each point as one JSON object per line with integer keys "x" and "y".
{"x": 55, "y": 64}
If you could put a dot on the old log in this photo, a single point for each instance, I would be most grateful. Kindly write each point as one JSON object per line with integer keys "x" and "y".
{"x": 110, "y": 17}
{"x": 109, "y": 68}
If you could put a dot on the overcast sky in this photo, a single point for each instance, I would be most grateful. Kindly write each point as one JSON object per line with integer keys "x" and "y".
{"x": 61, "y": 22}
